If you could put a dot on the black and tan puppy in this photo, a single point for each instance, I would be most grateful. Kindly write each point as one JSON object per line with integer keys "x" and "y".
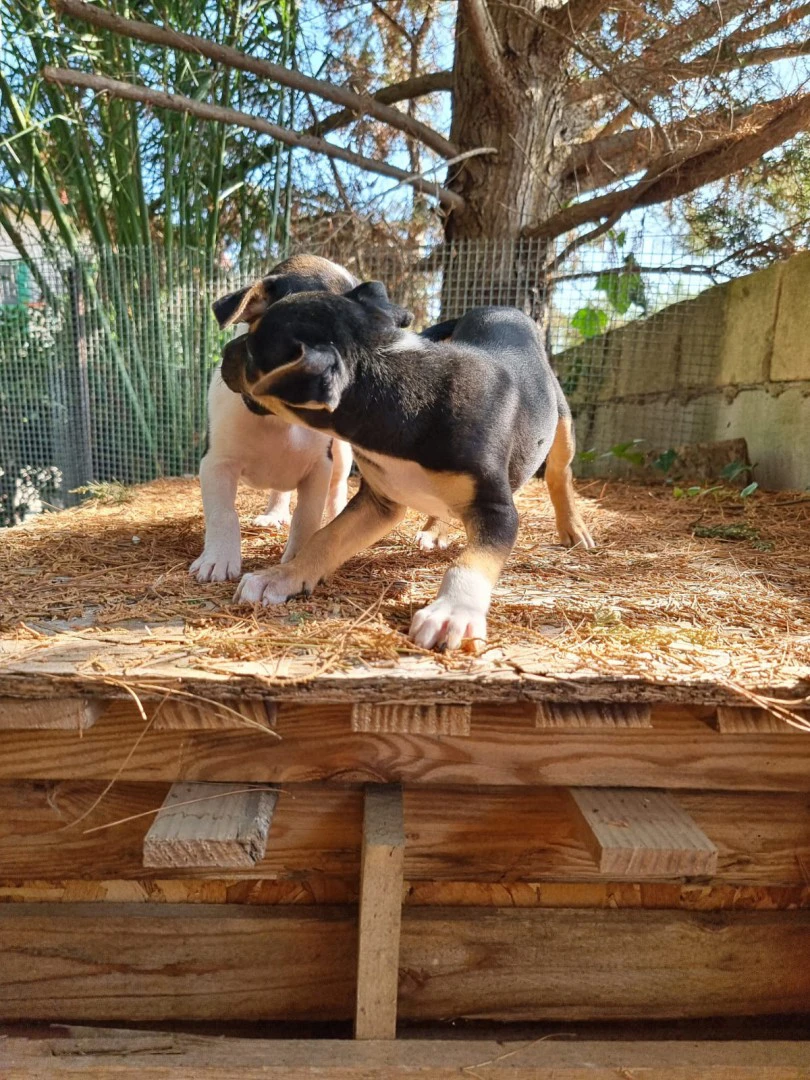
{"x": 451, "y": 428}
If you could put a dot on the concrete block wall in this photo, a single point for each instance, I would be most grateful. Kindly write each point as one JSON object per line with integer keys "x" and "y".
{"x": 733, "y": 362}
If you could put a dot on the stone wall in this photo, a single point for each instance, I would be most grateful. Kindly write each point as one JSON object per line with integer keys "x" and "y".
{"x": 734, "y": 362}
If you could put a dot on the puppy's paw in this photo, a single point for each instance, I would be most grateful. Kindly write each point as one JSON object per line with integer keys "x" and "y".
{"x": 434, "y": 536}
{"x": 217, "y": 564}
{"x": 276, "y": 519}
{"x": 573, "y": 533}
{"x": 267, "y": 587}
{"x": 446, "y": 623}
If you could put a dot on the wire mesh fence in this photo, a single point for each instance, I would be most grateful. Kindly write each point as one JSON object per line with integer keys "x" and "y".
{"x": 105, "y": 359}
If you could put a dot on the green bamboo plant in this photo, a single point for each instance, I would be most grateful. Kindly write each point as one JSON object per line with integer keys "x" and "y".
{"x": 140, "y": 210}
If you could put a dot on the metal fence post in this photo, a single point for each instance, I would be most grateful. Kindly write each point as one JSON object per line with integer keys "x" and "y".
{"x": 78, "y": 384}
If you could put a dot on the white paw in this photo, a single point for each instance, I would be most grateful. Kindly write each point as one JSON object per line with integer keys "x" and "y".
{"x": 273, "y": 586}
{"x": 217, "y": 564}
{"x": 574, "y": 533}
{"x": 446, "y": 622}
{"x": 278, "y": 519}
{"x": 431, "y": 539}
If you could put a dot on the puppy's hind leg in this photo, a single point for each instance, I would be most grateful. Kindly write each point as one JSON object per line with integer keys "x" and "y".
{"x": 308, "y": 513}
{"x": 459, "y": 612}
{"x": 277, "y": 514}
{"x": 339, "y": 483}
{"x": 433, "y": 534}
{"x": 571, "y": 528}
{"x": 365, "y": 520}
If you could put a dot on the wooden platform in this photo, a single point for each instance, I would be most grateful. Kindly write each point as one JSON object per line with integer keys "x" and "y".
{"x": 295, "y": 816}
{"x": 99, "y": 597}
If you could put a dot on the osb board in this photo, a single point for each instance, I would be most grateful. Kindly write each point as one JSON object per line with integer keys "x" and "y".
{"x": 66, "y": 832}
{"x": 315, "y": 742}
{"x": 99, "y": 1053}
{"x": 654, "y": 614}
{"x": 135, "y": 964}
{"x": 319, "y": 891}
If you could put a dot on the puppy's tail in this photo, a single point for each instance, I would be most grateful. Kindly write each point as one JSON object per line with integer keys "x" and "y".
{"x": 441, "y": 331}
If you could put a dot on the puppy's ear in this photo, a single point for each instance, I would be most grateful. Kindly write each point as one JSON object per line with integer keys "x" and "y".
{"x": 248, "y": 304}
{"x": 313, "y": 378}
{"x": 374, "y": 297}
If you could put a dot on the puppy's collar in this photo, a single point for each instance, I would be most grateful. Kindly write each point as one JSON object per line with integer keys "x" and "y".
{"x": 254, "y": 406}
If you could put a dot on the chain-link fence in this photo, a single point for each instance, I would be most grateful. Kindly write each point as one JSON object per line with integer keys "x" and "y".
{"x": 105, "y": 359}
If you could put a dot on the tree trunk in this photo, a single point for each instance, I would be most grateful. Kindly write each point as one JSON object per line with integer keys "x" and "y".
{"x": 521, "y": 184}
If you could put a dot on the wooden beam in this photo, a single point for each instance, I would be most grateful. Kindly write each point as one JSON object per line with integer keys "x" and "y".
{"x": 316, "y": 743}
{"x": 642, "y": 834}
{"x": 499, "y": 836}
{"x": 592, "y": 714}
{"x": 220, "y": 826}
{"x": 136, "y": 962}
{"x": 60, "y": 714}
{"x": 100, "y": 1053}
{"x": 381, "y": 878}
{"x": 172, "y": 962}
{"x": 402, "y": 719}
{"x": 569, "y": 964}
{"x": 729, "y": 719}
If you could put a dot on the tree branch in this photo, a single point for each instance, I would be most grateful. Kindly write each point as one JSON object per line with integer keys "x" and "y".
{"x": 220, "y": 115}
{"x": 577, "y": 15}
{"x": 706, "y": 21}
{"x": 388, "y": 95}
{"x": 362, "y": 104}
{"x": 668, "y": 179}
{"x": 715, "y": 61}
{"x": 606, "y": 159}
{"x": 489, "y": 52}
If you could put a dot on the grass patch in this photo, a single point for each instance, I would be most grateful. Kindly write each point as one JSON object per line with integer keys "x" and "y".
{"x": 107, "y": 492}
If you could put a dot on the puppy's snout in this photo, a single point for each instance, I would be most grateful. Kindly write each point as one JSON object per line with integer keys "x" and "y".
{"x": 234, "y": 356}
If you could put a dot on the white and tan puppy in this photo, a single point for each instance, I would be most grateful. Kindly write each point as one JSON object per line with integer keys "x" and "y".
{"x": 252, "y": 445}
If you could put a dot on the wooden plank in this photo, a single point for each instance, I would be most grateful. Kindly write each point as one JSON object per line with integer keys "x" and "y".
{"x": 316, "y": 744}
{"x": 146, "y": 661}
{"x": 642, "y": 834}
{"x": 381, "y": 877}
{"x": 404, "y": 719}
{"x": 498, "y": 835}
{"x": 574, "y": 716}
{"x": 150, "y": 962}
{"x": 313, "y": 890}
{"x": 210, "y": 825}
{"x": 733, "y": 720}
{"x": 590, "y": 964}
{"x": 99, "y": 1054}
{"x": 43, "y": 714}
{"x": 172, "y": 962}
{"x": 179, "y": 714}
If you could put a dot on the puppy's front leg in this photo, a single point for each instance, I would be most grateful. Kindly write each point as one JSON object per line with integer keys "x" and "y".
{"x": 459, "y": 612}
{"x": 221, "y": 558}
{"x": 308, "y": 514}
{"x": 366, "y": 519}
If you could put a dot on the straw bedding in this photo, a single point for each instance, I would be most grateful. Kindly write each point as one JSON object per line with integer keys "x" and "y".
{"x": 678, "y": 587}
